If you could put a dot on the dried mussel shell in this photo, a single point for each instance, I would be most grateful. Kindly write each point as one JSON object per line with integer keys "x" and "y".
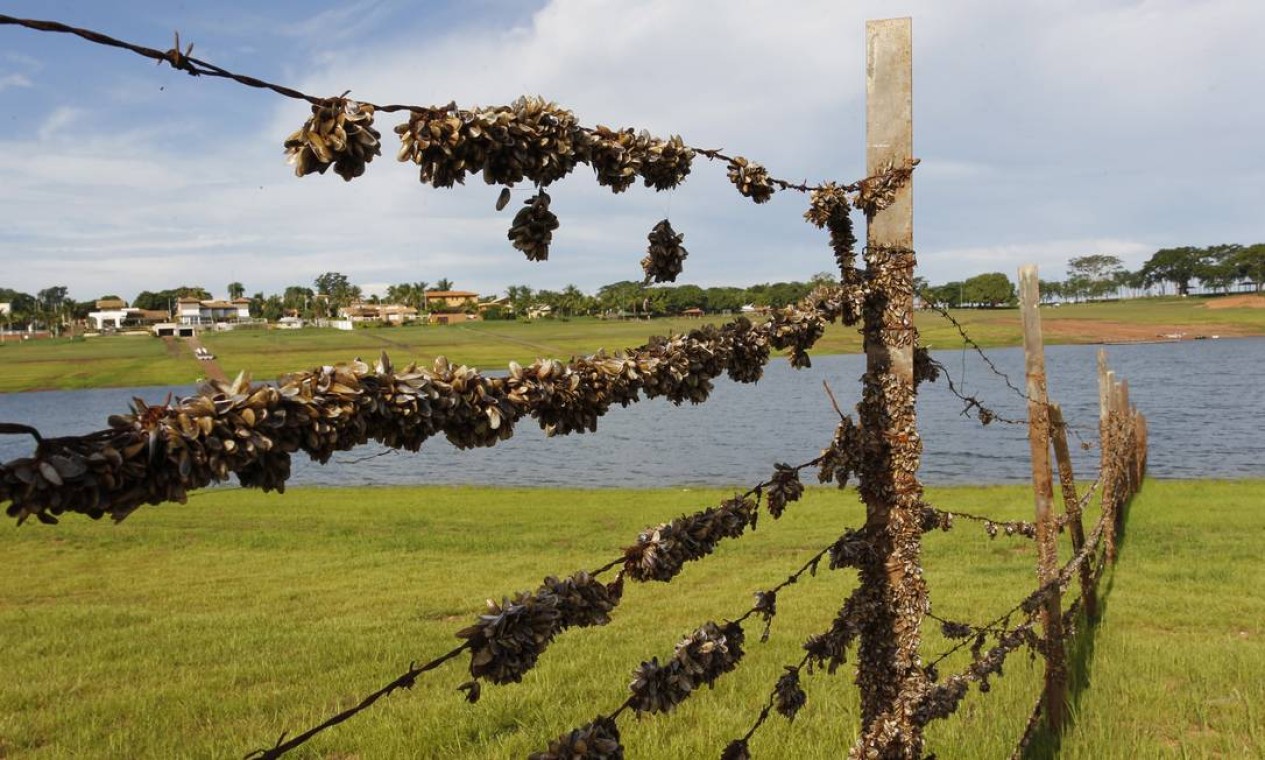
{"x": 340, "y": 133}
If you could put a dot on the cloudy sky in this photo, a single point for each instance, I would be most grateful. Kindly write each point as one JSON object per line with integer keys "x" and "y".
{"x": 1046, "y": 130}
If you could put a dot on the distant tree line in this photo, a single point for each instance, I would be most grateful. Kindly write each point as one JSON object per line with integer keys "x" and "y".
{"x": 1216, "y": 269}
{"x": 50, "y": 309}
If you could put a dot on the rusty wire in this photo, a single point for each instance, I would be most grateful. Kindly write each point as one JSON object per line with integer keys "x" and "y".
{"x": 183, "y": 60}
{"x": 409, "y": 677}
{"x": 759, "y": 607}
{"x": 1030, "y": 605}
{"x": 752, "y": 181}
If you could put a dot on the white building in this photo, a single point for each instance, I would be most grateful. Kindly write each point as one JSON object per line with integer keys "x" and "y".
{"x": 191, "y": 311}
{"x": 116, "y": 314}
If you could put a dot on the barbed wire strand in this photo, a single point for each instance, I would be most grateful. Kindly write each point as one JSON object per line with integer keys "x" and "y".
{"x": 407, "y": 679}
{"x": 768, "y": 705}
{"x": 808, "y": 566}
{"x": 973, "y": 401}
{"x": 1060, "y": 581}
{"x": 943, "y": 312}
{"x": 1060, "y": 521}
{"x": 184, "y": 61}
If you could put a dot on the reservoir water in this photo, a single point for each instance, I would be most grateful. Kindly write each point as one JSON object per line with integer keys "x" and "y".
{"x": 1204, "y": 400}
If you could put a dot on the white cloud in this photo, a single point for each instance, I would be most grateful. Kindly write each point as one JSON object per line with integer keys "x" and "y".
{"x": 57, "y": 122}
{"x": 14, "y": 80}
{"x": 1045, "y": 132}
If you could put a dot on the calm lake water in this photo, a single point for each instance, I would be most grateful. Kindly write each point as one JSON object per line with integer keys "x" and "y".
{"x": 1204, "y": 400}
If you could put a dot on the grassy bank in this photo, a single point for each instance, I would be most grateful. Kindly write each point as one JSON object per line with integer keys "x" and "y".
{"x": 205, "y": 630}
{"x": 130, "y": 361}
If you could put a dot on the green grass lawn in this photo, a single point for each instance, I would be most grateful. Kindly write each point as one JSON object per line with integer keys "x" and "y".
{"x": 132, "y": 361}
{"x": 207, "y": 629}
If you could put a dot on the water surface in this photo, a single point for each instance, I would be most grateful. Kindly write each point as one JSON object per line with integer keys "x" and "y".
{"x": 1203, "y": 400}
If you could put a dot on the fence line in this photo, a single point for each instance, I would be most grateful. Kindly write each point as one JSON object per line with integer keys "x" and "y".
{"x": 159, "y": 453}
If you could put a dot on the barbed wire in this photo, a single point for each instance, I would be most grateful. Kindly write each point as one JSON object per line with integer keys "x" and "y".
{"x": 700, "y": 658}
{"x": 659, "y": 554}
{"x": 1031, "y": 604}
{"x": 405, "y": 681}
{"x": 930, "y": 303}
{"x": 183, "y": 60}
{"x": 160, "y": 453}
{"x": 786, "y": 696}
{"x": 985, "y": 414}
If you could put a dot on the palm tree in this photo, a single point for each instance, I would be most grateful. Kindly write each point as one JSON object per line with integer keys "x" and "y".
{"x": 444, "y": 284}
{"x": 236, "y": 290}
{"x": 520, "y": 297}
{"x": 572, "y": 299}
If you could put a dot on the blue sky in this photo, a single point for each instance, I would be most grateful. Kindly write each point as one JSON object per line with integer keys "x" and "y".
{"x": 1046, "y": 131}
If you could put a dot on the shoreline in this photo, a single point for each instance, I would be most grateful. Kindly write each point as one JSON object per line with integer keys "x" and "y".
{"x": 67, "y": 365}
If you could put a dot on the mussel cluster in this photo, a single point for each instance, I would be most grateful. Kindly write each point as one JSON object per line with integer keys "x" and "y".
{"x": 850, "y": 549}
{"x": 783, "y": 488}
{"x": 843, "y": 457}
{"x": 738, "y": 749}
{"x": 829, "y": 208}
{"x": 598, "y": 740}
{"x": 661, "y": 552}
{"x": 507, "y": 640}
{"x": 339, "y": 132}
{"x": 536, "y": 140}
{"x": 159, "y": 453}
{"x": 665, "y": 256}
{"x": 942, "y": 700}
{"x": 700, "y": 658}
{"x": 532, "y": 229}
{"x": 879, "y": 191}
{"x": 751, "y": 179}
{"x": 788, "y": 695}
{"x": 829, "y": 649}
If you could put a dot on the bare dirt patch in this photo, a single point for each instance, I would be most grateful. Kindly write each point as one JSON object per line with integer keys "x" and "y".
{"x": 1247, "y": 301}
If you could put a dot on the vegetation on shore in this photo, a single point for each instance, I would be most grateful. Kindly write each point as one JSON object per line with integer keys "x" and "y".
{"x": 207, "y": 629}
{"x": 121, "y": 361}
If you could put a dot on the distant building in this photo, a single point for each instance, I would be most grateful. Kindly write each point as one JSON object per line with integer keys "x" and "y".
{"x": 453, "y": 299}
{"x": 192, "y": 311}
{"x": 693, "y": 313}
{"x": 114, "y": 313}
{"x": 6, "y": 309}
{"x": 391, "y": 313}
{"x": 495, "y": 303}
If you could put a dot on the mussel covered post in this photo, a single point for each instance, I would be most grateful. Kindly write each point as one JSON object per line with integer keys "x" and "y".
{"x": 893, "y": 594}
{"x": 1043, "y": 491}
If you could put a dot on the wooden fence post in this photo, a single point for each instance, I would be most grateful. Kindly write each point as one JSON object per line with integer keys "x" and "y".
{"x": 1142, "y": 445}
{"x": 1043, "y": 488}
{"x": 892, "y": 598}
{"x": 1072, "y": 507}
{"x": 1126, "y": 441}
{"x": 1123, "y": 477}
{"x": 1110, "y": 452}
